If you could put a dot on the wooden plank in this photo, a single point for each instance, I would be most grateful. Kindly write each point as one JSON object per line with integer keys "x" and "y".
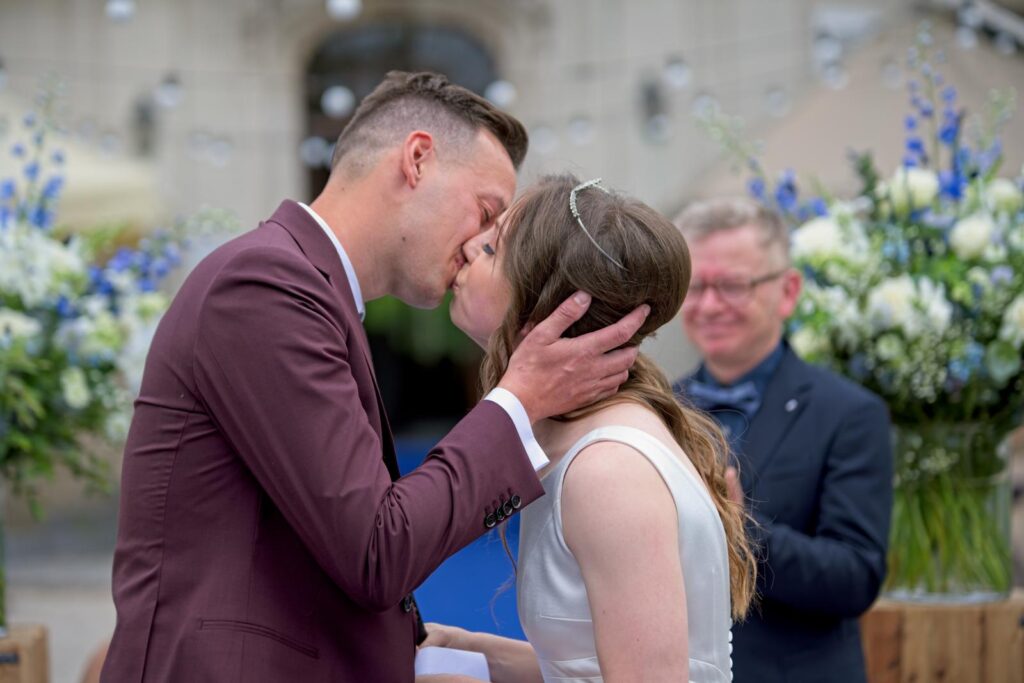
{"x": 882, "y": 633}
{"x": 935, "y": 643}
{"x": 1003, "y": 657}
{"x": 23, "y": 655}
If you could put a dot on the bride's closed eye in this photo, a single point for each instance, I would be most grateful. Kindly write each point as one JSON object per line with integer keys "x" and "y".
{"x": 487, "y": 249}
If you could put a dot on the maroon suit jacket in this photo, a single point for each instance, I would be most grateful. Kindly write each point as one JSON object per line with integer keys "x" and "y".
{"x": 264, "y": 532}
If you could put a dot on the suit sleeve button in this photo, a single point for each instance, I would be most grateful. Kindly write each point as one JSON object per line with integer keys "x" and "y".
{"x": 407, "y": 604}
{"x": 490, "y": 521}
{"x": 508, "y": 508}
{"x": 517, "y": 502}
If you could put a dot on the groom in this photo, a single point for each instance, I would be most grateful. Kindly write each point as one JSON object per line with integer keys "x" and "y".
{"x": 265, "y": 532}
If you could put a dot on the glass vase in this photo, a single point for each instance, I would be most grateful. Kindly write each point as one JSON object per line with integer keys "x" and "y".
{"x": 950, "y": 538}
{"x": 3, "y": 561}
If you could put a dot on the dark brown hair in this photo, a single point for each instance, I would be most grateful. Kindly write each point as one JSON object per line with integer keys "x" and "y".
{"x": 546, "y": 257}
{"x": 404, "y": 102}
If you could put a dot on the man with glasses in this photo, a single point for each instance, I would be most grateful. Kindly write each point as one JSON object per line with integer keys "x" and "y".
{"x": 811, "y": 450}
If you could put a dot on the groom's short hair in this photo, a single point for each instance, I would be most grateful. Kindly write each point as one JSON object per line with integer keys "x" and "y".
{"x": 405, "y": 102}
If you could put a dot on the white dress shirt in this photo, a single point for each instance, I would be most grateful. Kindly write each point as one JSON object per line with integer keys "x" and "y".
{"x": 504, "y": 398}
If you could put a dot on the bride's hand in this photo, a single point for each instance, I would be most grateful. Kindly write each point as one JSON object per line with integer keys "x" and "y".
{"x": 440, "y": 635}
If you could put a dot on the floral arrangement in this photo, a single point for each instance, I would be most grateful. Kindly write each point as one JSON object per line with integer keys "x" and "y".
{"x": 915, "y": 289}
{"x": 76, "y": 313}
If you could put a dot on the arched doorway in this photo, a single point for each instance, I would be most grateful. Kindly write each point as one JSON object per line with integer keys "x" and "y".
{"x": 350, "y": 63}
{"x": 426, "y": 369}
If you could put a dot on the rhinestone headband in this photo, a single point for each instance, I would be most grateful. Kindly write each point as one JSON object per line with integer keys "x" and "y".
{"x": 596, "y": 182}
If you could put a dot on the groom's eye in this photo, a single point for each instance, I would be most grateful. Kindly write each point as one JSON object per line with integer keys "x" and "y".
{"x": 488, "y": 249}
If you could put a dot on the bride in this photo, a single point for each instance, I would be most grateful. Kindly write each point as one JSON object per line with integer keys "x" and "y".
{"x": 633, "y": 564}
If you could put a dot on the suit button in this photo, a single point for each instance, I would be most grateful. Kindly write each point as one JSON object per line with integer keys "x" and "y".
{"x": 500, "y": 514}
{"x": 490, "y": 520}
{"x": 507, "y": 508}
{"x": 407, "y": 604}
{"x": 517, "y": 502}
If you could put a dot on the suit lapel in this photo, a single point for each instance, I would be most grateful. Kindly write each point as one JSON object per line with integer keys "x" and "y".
{"x": 784, "y": 400}
{"x": 321, "y": 253}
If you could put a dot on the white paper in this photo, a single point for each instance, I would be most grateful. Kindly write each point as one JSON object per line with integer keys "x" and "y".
{"x": 446, "y": 660}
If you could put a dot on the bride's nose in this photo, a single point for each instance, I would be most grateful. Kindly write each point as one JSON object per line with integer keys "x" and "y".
{"x": 473, "y": 247}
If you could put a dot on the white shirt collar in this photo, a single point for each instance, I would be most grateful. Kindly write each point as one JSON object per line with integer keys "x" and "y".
{"x": 350, "y": 272}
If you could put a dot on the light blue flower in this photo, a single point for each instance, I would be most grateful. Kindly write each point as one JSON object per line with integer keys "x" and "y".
{"x": 1002, "y": 275}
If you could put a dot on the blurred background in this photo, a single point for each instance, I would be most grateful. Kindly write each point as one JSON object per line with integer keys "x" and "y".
{"x": 169, "y": 106}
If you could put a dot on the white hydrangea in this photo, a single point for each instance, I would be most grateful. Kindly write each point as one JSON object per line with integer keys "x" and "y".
{"x": 35, "y": 267}
{"x": 808, "y": 342}
{"x": 1012, "y": 329}
{"x": 972, "y": 236}
{"x": 891, "y": 304}
{"x": 820, "y": 237}
{"x": 825, "y": 237}
{"x": 1004, "y": 195}
{"x": 75, "y": 388}
{"x": 912, "y": 188}
{"x": 17, "y": 325}
{"x": 900, "y": 303}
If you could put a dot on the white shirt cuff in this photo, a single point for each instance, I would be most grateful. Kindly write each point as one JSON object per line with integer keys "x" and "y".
{"x": 511, "y": 405}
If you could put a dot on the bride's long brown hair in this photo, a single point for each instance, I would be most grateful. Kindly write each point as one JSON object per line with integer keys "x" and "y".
{"x": 546, "y": 257}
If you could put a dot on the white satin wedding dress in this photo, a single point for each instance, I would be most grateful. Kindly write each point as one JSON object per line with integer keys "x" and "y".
{"x": 552, "y": 598}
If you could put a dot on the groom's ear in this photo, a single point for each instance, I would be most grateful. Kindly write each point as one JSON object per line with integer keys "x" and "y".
{"x": 417, "y": 153}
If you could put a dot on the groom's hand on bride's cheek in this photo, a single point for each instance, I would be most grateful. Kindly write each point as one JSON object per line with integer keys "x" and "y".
{"x": 552, "y": 375}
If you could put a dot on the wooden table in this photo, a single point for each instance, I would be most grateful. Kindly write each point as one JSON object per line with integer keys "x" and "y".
{"x": 23, "y": 655}
{"x": 915, "y": 643}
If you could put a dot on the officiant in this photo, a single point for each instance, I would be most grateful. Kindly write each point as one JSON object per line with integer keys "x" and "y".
{"x": 812, "y": 452}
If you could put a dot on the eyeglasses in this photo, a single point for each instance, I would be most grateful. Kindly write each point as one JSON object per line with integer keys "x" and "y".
{"x": 734, "y": 291}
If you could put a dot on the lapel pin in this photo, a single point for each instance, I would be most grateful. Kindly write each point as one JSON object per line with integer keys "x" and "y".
{"x": 791, "y": 405}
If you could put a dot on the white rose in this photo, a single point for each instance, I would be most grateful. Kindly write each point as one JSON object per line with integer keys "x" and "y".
{"x": 17, "y": 325}
{"x": 75, "y": 388}
{"x": 912, "y": 188}
{"x": 1003, "y": 195}
{"x": 891, "y": 305}
{"x": 819, "y": 237}
{"x": 971, "y": 236}
{"x": 1012, "y": 329}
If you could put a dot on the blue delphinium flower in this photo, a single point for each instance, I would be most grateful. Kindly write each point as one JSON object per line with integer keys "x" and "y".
{"x": 52, "y": 188}
{"x": 18, "y": 150}
{"x": 987, "y": 158}
{"x": 29, "y": 120}
{"x": 1002, "y": 275}
{"x": 910, "y": 122}
{"x": 40, "y": 216}
{"x": 949, "y": 94}
{"x": 65, "y": 309}
{"x": 952, "y": 185}
{"x": 57, "y": 157}
{"x": 32, "y": 171}
{"x": 122, "y": 260}
{"x": 755, "y": 186}
{"x": 7, "y": 190}
{"x": 786, "y": 192}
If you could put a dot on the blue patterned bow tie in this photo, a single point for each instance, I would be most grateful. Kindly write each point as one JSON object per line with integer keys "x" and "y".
{"x": 742, "y": 398}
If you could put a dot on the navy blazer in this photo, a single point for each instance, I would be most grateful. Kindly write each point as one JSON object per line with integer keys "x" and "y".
{"x": 816, "y": 466}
